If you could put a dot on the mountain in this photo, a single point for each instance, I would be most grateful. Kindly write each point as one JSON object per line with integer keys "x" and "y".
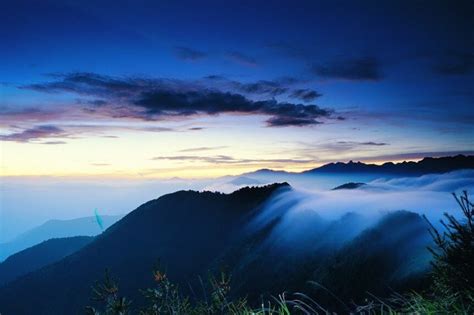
{"x": 40, "y": 255}
{"x": 267, "y": 250}
{"x": 427, "y": 165}
{"x": 185, "y": 230}
{"x": 55, "y": 229}
{"x": 350, "y": 185}
{"x": 243, "y": 180}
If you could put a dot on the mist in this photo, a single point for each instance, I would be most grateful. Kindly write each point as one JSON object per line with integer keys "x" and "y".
{"x": 307, "y": 216}
{"x": 28, "y": 202}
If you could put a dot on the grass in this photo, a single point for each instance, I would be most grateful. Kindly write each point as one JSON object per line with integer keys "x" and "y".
{"x": 452, "y": 291}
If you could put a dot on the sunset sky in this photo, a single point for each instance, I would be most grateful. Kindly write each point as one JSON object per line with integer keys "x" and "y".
{"x": 202, "y": 89}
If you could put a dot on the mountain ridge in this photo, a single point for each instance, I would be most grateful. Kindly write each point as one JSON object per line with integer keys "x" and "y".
{"x": 424, "y": 166}
{"x": 85, "y": 226}
{"x": 176, "y": 228}
{"x": 40, "y": 255}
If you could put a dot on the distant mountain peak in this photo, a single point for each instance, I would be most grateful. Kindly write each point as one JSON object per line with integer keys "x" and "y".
{"x": 350, "y": 185}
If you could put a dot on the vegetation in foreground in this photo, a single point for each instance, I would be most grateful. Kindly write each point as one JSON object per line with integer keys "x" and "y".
{"x": 451, "y": 292}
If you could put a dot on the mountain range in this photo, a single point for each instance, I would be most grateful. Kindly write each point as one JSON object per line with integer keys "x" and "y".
{"x": 40, "y": 255}
{"x": 193, "y": 233}
{"x": 86, "y": 226}
{"x": 427, "y": 165}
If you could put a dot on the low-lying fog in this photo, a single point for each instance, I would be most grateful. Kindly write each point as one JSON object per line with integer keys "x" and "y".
{"x": 25, "y": 203}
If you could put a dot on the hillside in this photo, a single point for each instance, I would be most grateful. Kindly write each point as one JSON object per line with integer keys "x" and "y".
{"x": 40, "y": 255}
{"x": 193, "y": 233}
{"x": 55, "y": 229}
{"x": 184, "y": 230}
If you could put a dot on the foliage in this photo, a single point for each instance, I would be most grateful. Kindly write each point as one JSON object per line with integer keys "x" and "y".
{"x": 107, "y": 292}
{"x": 165, "y": 299}
{"x": 453, "y": 265}
{"x": 452, "y": 291}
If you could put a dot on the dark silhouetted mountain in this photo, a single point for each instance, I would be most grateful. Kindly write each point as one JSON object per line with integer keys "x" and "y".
{"x": 55, "y": 229}
{"x": 40, "y": 255}
{"x": 350, "y": 185}
{"x": 192, "y": 233}
{"x": 426, "y": 166}
{"x": 185, "y": 230}
{"x": 267, "y": 172}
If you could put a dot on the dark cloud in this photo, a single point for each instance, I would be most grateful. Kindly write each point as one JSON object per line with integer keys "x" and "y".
{"x": 35, "y": 133}
{"x": 367, "y": 68}
{"x": 291, "y": 121}
{"x": 242, "y": 58}
{"x": 196, "y": 128}
{"x": 90, "y": 84}
{"x": 305, "y": 95}
{"x": 168, "y": 103}
{"x": 455, "y": 64}
{"x": 261, "y": 87}
{"x": 154, "y": 99}
{"x": 98, "y": 102}
{"x": 272, "y": 88}
{"x": 186, "y": 53}
{"x": 215, "y": 77}
{"x": 374, "y": 143}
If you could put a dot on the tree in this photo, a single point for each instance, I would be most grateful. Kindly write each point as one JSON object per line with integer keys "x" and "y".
{"x": 453, "y": 255}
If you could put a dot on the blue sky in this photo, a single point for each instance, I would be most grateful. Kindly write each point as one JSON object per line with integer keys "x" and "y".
{"x": 196, "y": 89}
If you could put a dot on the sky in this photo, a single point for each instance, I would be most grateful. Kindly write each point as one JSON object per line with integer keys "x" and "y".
{"x": 164, "y": 89}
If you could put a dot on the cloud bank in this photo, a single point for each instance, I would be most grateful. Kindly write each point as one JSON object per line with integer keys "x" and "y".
{"x": 157, "y": 99}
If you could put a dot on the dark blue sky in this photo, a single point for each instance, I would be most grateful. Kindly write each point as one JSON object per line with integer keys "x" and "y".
{"x": 399, "y": 73}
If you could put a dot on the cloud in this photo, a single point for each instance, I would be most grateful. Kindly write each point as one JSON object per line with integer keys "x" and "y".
{"x": 261, "y": 87}
{"x": 272, "y": 88}
{"x": 8, "y": 115}
{"x": 455, "y": 64}
{"x": 340, "y": 146}
{"x": 242, "y": 58}
{"x": 200, "y": 149}
{"x": 291, "y": 121}
{"x": 155, "y": 99}
{"x": 35, "y": 133}
{"x": 305, "y": 95}
{"x": 186, "y": 53}
{"x": 226, "y": 159}
{"x": 54, "y": 142}
{"x": 359, "y": 69}
{"x": 369, "y": 143}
